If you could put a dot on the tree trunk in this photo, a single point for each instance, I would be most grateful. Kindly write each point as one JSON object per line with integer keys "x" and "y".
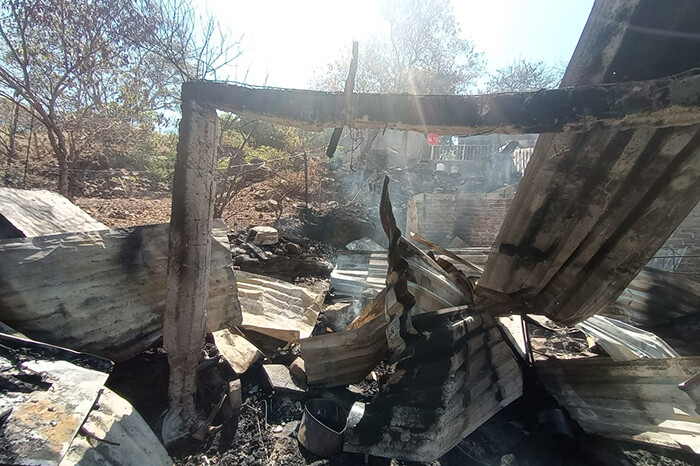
{"x": 12, "y": 145}
{"x": 12, "y": 150}
{"x": 63, "y": 178}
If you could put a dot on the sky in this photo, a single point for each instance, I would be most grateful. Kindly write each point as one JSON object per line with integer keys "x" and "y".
{"x": 284, "y": 41}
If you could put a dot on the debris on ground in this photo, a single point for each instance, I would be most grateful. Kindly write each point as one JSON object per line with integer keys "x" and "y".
{"x": 57, "y": 410}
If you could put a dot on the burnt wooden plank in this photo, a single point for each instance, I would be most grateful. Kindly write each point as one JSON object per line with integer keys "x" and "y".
{"x": 670, "y": 101}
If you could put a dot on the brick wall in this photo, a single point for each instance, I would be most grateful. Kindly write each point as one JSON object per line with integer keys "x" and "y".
{"x": 687, "y": 235}
{"x": 476, "y": 218}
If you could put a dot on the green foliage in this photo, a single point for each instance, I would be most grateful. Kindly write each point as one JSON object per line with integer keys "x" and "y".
{"x": 161, "y": 165}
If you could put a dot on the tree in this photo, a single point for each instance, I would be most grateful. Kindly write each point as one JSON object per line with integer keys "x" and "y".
{"x": 422, "y": 54}
{"x": 97, "y": 74}
{"x": 523, "y": 76}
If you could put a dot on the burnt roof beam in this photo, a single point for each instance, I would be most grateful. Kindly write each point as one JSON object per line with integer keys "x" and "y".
{"x": 671, "y": 101}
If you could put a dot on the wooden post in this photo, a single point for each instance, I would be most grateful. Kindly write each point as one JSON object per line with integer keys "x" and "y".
{"x": 190, "y": 250}
{"x": 306, "y": 181}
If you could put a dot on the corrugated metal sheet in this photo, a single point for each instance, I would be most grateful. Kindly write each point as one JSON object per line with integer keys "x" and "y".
{"x": 50, "y": 391}
{"x": 128, "y": 439}
{"x": 459, "y": 373}
{"x": 624, "y": 342}
{"x": 359, "y": 275}
{"x": 452, "y": 367}
{"x": 656, "y": 297}
{"x": 103, "y": 292}
{"x": 39, "y": 213}
{"x": 343, "y": 358}
{"x": 630, "y": 400}
{"x": 276, "y": 308}
{"x": 594, "y": 207}
{"x": 363, "y": 275}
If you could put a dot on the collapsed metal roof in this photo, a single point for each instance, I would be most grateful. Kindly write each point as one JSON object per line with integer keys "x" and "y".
{"x": 594, "y": 207}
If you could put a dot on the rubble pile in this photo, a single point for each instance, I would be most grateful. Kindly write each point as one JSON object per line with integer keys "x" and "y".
{"x": 394, "y": 357}
{"x": 263, "y": 250}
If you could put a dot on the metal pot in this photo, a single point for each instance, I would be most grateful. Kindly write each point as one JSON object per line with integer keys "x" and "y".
{"x": 322, "y": 427}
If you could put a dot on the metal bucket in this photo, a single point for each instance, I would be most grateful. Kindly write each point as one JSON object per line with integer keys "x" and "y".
{"x": 322, "y": 427}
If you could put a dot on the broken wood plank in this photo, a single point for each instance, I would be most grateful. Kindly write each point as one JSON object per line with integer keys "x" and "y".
{"x": 630, "y": 400}
{"x": 238, "y": 352}
{"x": 594, "y": 207}
{"x": 103, "y": 292}
{"x": 661, "y": 102}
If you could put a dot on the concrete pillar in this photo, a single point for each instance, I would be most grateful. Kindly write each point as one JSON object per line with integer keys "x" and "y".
{"x": 189, "y": 252}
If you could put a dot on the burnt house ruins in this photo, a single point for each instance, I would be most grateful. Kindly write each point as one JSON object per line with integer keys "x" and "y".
{"x": 611, "y": 181}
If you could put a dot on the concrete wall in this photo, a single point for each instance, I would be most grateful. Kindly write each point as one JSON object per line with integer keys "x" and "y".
{"x": 476, "y": 218}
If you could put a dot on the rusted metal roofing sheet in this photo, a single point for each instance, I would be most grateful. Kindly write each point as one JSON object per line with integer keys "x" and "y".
{"x": 629, "y": 400}
{"x": 594, "y": 207}
{"x": 103, "y": 292}
{"x": 26, "y": 213}
{"x": 50, "y": 392}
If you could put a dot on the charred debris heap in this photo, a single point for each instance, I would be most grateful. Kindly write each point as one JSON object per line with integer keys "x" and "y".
{"x": 429, "y": 343}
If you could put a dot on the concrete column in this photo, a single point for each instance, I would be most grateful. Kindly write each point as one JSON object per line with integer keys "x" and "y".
{"x": 189, "y": 252}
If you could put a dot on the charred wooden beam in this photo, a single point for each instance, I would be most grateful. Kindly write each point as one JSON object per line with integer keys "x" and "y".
{"x": 672, "y": 101}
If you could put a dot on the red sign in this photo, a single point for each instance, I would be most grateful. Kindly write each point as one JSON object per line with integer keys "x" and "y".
{"x": 433, "y": 139}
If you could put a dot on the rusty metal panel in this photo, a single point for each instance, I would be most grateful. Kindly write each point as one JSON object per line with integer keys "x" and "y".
{"x": 128, "y": 439}
{"x": 636, "y": 400}
{"x": 26, "y": 213}
{"x": 50, "y": 392}
{"x": 103, "y": 292}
